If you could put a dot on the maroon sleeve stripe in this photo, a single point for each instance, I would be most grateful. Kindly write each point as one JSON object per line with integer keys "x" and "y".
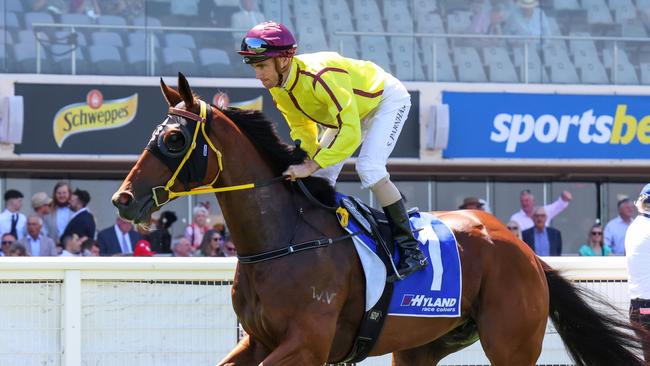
{"x": 366, "y": 94}
{"x": 318, "y": 78}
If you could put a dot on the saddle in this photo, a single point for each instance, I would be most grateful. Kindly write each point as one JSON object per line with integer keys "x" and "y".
{"x": 373, "y": 222}
{"x": 375, "y": 225}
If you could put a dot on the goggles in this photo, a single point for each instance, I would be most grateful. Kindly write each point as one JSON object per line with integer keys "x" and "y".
{"x": 257, "y": 46}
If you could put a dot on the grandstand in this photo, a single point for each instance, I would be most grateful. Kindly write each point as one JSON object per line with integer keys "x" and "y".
{"x": 589, "y": 41}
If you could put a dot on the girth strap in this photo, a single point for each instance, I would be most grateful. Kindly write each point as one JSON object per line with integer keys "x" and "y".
{"x": 277, "y": 253}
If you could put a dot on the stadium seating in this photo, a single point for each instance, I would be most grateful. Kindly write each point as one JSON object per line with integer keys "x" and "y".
{"x": 106, "y": 59}
{"x": 318, "y": 21}
{"x": 111, "y": 20}
{"x": 311, "y": 37}
{"x": 593, "y": 73}
{"x": 175, "y": 59}
{"x": 215, "y": 62}
{"x": 107, "y": 39}
{"x": 136, "y": 57}
{"x": 624, "y": 74}
{"x": 470, "y": 68}
{"x": 25, "y": 57}
{"x": 563, "y": 72}
{"x": 645, "y": 73}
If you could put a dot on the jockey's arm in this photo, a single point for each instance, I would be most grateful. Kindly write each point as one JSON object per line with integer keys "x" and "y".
{"x": 337, "y": 94}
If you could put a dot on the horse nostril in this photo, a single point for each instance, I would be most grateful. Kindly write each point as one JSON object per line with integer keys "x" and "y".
{"x": 123, "y": 199}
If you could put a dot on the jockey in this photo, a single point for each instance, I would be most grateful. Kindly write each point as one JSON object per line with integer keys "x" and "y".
{"x": 356, "y": 103}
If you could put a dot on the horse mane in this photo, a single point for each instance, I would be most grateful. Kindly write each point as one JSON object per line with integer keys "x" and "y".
{"x": 266, "y": 139}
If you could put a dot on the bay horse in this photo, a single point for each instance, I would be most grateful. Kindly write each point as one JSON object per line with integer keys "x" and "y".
{"x": 507, "y": 293}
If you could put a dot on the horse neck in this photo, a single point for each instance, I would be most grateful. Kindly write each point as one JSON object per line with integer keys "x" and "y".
{"x": 258, "y": 219}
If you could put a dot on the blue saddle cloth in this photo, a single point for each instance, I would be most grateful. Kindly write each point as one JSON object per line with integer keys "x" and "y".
{"x": 432, "y": 292}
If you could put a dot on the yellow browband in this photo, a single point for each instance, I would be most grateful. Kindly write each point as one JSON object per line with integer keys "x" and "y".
{"x": 201, "y": 121}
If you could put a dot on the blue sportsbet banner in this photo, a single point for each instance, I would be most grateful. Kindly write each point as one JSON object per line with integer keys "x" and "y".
{"x": 547, "y": 126}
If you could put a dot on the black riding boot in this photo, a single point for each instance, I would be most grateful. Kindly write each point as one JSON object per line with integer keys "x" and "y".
{"x": 411, "y": 258}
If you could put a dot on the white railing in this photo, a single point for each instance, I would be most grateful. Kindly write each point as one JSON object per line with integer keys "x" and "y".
{"x": 172, "y": 311}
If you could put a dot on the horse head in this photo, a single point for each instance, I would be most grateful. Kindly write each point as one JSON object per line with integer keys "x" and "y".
{"x": 179, "y": 157}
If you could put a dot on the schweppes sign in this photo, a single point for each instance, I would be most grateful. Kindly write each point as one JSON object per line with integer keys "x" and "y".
{"x": 95, "y": 114}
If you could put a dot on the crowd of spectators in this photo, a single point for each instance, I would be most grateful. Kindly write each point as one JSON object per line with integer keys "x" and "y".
{"x": 63, "y": 226}
{"x": 532, "y": 225}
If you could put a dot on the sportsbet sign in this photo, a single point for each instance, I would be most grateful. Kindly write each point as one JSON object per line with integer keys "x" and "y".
{"x": 509, "y": 125}
{"x": 94, "y": 114}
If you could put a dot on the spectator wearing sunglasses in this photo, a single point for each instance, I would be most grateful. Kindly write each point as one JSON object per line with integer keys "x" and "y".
{"x": 228, "y": 248}
{"x": 358, "y": 104}
{"x": 211, "y": 244}
{"x": 595, "y": 246}
{"x": 8, "y": 240}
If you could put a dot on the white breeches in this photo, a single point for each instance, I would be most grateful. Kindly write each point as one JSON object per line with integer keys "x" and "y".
{"x": 379, "y": 132}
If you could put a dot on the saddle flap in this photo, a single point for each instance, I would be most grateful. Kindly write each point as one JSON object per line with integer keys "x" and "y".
{"x": 351, "y": 206}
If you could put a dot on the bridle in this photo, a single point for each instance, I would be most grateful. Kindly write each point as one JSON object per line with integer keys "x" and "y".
{"x": 157, "y": 147}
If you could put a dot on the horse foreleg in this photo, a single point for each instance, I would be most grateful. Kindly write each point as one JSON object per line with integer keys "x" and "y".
{"x": 305, "y": 347}
{"x": 247, "y": 352}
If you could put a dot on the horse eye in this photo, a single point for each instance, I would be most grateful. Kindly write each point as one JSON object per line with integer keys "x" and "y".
{"x": 175, "y": 141}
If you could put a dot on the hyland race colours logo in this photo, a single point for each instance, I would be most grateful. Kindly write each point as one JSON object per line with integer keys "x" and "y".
{"x": 95, "y": 114}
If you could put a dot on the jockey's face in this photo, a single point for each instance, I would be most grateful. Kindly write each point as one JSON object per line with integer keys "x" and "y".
{"x": 266, "y": 72}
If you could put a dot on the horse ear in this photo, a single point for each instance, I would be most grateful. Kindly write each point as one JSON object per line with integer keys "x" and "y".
{"x": 185, "y": 91}
{"x": 171, "y": 96}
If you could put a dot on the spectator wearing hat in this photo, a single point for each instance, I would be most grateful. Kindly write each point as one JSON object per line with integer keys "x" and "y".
{"x": 37, "y": 244}
{"x": 61, "y": 213}
{"x": 471, "y": 203}
{"x": 41, "y": 203}
{"x": 161, "y": 238}
{"x": 82, "y": 221}
{"x": 118, "y": 239}
{"x": 11, "y": 220}
{"x": 637, "y": 249}
{"x": 143, "y": 249}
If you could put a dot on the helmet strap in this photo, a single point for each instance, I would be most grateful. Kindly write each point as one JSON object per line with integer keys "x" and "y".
{"x": 281, "y": 70}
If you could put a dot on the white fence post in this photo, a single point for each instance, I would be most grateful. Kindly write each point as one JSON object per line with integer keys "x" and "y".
{"x": 72, "y": 318}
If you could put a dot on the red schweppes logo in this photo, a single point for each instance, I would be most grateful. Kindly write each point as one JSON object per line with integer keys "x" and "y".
{"x": 95, "y": 114}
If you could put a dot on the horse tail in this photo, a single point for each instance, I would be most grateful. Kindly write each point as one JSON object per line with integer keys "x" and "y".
{"x": 592, "y": 338}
